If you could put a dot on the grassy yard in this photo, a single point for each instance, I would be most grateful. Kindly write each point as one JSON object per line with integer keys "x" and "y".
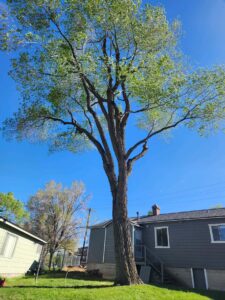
{"x": 54, "y": 287}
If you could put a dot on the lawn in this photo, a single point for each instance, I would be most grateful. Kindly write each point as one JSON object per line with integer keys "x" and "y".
{"x": 54, "y": 287}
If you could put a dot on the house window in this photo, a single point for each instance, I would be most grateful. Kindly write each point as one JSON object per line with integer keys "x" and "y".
{"x": 217, "y": 233}
{"x": 162, "y": 237}
{"x": 9, "y": 245}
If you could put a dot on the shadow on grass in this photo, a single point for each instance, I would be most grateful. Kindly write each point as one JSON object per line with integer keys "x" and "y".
{"x": 59, "y": 287}
{"x": 214, "y": 295}
{"x": 71, "y": 275}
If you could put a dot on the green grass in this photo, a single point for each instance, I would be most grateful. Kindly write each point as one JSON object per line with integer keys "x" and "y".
{"x": 54, "y": 287}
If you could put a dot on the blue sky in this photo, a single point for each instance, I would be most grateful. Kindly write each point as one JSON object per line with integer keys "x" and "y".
{"x": 184, "y": 172}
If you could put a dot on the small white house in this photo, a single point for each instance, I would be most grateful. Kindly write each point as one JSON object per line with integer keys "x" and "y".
{"x": 18, "y": 249}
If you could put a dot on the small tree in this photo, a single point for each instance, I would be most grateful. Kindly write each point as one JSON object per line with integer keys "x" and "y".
{"x": 12, "y": 208}
{"x": 89, "y": 71}
{"x": 56, "y": 214}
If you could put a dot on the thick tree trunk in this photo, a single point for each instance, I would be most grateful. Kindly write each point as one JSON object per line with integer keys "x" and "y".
{"x": 126, "y": 271}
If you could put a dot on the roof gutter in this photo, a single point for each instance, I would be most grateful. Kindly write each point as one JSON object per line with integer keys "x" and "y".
{"x": 181, "y": 220}
{"x": 21, "y": 230}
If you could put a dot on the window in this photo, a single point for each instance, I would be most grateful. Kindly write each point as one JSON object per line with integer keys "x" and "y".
{"x": 217, "y": 233}
{"x": 9, "y": 245}
{"x": 162, "y": 237}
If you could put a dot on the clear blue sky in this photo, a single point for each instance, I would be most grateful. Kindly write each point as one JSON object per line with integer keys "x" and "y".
{"x": 185, "y": 172}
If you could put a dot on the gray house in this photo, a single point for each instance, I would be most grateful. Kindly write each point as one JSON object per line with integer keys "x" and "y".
{"x": 188, "y": 247}
{"x": 18, "y": 249}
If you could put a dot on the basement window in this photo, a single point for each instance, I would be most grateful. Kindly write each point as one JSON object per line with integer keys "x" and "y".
{"x": 162, "y": 237}
{"x": 217, "y": 233}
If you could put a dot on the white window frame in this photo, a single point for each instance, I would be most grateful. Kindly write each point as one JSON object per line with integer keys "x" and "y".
{"x": 168, "y": 237}
{"x": 206, "y": 279}
{"x": 211, "y": 233}
{"x": 2, "y": 252}
{"x": 192, "y": 278}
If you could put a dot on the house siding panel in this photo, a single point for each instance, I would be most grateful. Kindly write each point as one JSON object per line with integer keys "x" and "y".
{"x": 24, "y": 255}
{"x": 190, "y": 244}
{"x": 96, "y": 245}
{"x": 109, "y": 245}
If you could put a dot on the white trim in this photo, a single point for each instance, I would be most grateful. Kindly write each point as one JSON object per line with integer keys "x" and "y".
{"x": 103, "y": 255}
{"x": 192, "y": 278}
{"x": 21, "y": 230}
{"x": 211, "y": 233}
{"x": 206, "y": 279}
{"x": 133, "y": 236}
{"x": 168, "y": 237}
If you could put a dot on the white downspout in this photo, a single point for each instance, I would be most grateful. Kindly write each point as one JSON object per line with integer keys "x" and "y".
{"x": 103, "y": 256}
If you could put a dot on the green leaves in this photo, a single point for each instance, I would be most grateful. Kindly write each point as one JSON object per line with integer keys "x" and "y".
{"x": 71, "y": 55}
{"x": 12, "y": 208}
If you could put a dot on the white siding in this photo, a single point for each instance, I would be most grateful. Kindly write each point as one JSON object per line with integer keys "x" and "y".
{"x": 24, "y": 255}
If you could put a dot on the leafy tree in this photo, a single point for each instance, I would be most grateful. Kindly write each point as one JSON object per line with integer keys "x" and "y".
{"x": 89, "y": 72}
{"x": 12, "y": 209}
{"x": 56, "y": 214}
{"x": 218, "y": 205}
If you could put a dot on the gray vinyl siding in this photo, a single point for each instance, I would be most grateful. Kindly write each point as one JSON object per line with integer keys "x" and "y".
{"x": 96, "y": 245}
{"x": 190, "y": 244}
{"x": 109, "y": 245}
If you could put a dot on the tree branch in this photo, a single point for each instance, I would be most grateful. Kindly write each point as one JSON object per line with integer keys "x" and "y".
{"x": 131, "y": 161}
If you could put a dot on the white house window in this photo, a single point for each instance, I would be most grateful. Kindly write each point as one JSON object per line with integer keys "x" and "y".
{"x": 162, "y": 237}
{"x": 9, "y": 245}
{"x": 217, "y": 233}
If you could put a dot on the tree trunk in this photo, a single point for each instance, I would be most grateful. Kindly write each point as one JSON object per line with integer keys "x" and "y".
{"x": 126, "y": 271}
{"x": 50, "y": 260}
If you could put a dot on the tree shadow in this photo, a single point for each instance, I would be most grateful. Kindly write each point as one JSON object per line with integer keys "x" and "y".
{"x": 71, "y": 275}
{"x": 214, "y": 295}
{"x": 59, "y": 287}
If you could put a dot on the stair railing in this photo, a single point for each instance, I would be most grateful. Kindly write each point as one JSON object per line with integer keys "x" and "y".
{"x": 144, "y": 255}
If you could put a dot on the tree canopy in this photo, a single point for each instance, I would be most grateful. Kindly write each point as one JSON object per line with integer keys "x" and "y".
{"x": 56, "y": 214}
{"x": 70, "y": 54}
{"x": 12, "y": 209}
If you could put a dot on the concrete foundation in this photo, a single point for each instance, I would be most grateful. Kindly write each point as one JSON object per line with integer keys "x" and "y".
{"x": 108, "y": 271}
{"x": 181, "y": 275}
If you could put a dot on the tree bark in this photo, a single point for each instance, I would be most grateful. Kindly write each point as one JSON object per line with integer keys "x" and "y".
{"x": 126, "y": 271}
{"x": 50, "y": 260}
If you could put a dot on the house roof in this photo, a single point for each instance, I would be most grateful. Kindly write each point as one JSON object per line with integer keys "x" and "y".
{"x": 185, "y": 215}
{"x": 106, "y": 223}
{"x": 18, "y": 228}
{"x": 177, "y": 216}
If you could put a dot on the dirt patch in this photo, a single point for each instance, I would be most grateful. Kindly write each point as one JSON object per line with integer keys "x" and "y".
{"x": 74, "y": 269}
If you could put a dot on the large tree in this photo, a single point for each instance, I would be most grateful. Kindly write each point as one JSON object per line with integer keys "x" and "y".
{"x": 91, "y": 70}
{"x": 12, "y": 209}
{"x": 56, "y": 214}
